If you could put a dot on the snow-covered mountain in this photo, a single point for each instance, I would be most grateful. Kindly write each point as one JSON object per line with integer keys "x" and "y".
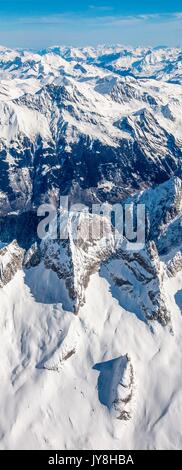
{"x": 72, "y": 126}
{"x": 90, "y": 331}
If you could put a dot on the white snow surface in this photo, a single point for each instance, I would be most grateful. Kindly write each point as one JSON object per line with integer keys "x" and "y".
{"x": 45, "y": 409}
{"x": 102, "y": 95}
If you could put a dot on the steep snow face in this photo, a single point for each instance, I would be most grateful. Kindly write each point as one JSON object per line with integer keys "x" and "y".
{"x": 58, "y": 370}
{"x": 91, "y": 333}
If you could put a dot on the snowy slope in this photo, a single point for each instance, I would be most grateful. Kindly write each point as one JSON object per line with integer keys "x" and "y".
{"x": 115, "y": 360}
{"x": 91, "y": 333}
{"x": 68, "y": 409}
{"x": 126, "y": 130}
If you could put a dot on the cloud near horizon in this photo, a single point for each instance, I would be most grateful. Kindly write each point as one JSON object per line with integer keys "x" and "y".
{"x": 101, "y": 8}
{"x": 106, "y": 19}
{"x": 79, "y": 29}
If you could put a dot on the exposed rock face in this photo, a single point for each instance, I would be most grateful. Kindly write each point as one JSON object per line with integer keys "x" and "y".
{"x": 116, "y": 387}
{"x": 174, "y": 265}
{"x": 78, "y": 131}
{"x": 122, "y": 389}
{"x": 64, "y": 351}
{"x": 76, "y": 258}
{"x": 32, "y": 257}
{"x": 11, "y": 259}
{"x": 139, "y": 277}
{"x": 164, "y": 213}
{"x": 136, "y": 277}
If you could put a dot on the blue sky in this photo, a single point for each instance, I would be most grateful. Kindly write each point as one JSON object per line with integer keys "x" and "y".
{"x": 39, "y": 23}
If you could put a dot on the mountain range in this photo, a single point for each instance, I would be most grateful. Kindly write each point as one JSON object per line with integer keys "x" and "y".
{"x": 90, "y": 330}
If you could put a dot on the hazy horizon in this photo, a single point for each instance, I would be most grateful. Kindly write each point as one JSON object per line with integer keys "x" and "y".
{"x": 39, "y": 24}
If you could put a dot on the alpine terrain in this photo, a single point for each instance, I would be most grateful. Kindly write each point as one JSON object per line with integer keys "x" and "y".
{"x": 91, "y": 325}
